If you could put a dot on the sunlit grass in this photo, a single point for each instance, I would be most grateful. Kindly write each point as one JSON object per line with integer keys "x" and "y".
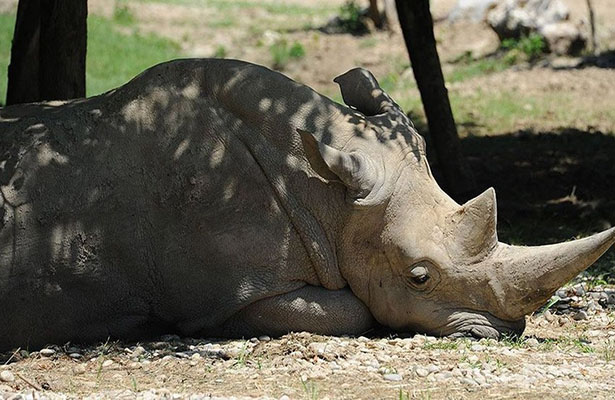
{"x": 115, "y": 57}
{"x": 270, "y": 6}
{"x": 7, "y": 24}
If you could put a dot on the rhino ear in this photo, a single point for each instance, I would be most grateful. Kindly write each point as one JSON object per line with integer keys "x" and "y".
{"x": 475, "y": 225}
{"x": 355, "y": 170}
{"x": 361, "y": 90}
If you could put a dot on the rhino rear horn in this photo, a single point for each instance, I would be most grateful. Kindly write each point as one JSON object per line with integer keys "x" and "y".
{"x": 361, "y": 90}
{"x": 355, "y": 170}
{"x": 474, "y": 226}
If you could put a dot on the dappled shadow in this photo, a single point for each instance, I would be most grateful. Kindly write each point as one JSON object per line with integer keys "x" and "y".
{"x": 167, "y": 205}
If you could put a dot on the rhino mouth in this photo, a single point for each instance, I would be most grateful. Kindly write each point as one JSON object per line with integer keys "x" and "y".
{"x": 480, "y": 324}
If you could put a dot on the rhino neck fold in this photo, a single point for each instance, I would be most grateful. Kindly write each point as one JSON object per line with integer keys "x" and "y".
{"x": 313, "y": 236}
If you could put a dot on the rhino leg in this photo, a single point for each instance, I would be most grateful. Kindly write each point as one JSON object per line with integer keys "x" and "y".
{"x": 311, "y": 308}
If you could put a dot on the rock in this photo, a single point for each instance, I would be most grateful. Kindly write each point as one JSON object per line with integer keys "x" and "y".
{"x": 579, "y": 289}
{"x": 532, "y": 342}
{"x": 7, "y": 376}
{"x": 473, "y": 10}
{"x": 47, "y": 352}
{"x": 138, "y": 351}
{"x": 580, "y": 315}
{"x": 264, "y": 338}
{"x": 392, "y": 377}
{"x": 515, "y": 18}
{"x": 548, "y": 18}
{"x": 79, "y": 369}
{"x": 75, "y": 356}
{"x": 564, "y": 38}
{"x": 421, "y": 372}
{"x": 477, "y": 347}
{"x": 107, "y": 363}
{"x": 318, "y": 348}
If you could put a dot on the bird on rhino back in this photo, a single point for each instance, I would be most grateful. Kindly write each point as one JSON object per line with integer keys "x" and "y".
{"x": 219, "y": 198}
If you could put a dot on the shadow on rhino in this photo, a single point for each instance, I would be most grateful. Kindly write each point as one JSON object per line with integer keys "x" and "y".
{"x": 219, "y": 198}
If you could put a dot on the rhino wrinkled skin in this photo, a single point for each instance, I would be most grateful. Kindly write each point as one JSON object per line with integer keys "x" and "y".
{"x": 219, "y": 198}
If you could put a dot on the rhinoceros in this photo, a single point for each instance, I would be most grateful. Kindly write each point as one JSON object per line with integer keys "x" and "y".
{"x": 219, "y": 198}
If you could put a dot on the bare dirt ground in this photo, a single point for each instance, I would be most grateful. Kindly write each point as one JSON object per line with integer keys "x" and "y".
{"x": 562, "y": 182}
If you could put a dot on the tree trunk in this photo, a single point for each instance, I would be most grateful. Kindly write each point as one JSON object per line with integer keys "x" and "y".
{"x": 417, "y": 27}
{"x": 23, "y": 70}
{"x": 49, "y": 50}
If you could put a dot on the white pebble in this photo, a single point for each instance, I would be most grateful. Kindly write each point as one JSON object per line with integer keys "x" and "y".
{"x": 392, "y": 377}
{"x": 7, "y": 376}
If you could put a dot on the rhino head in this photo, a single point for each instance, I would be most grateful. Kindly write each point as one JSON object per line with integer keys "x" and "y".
{"x": 418, "y": 260}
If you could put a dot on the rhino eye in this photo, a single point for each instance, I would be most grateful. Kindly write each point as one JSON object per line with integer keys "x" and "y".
{"x": 419, "y": 275}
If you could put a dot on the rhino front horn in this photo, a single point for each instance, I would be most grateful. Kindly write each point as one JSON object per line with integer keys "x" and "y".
{"x": 528, "y": 276}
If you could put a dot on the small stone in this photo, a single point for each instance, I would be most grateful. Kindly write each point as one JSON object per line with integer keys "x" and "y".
{"x": 284, "y": 397}
{"x": 75, "y": 356}
{"x": 253, "y": 340}
{"x": 265, "y": 338}
{"x": 580, "y": 315}
{"x": 392, "y": 377}
{"x": 79, "y": 369}
{"x": 477, "y": 347}
{"x": 579, "y": 290}
{"x": 47, "y": 352}
{"x": 421, "y": 372}
{"x": 532, "y": 342}
{"x": 107, "y": 363}
{"x": 7, "y": 376}
{"x": 196, "y": 357}
{"x": 318, "y": 348}
{"x": 138, "y": 351}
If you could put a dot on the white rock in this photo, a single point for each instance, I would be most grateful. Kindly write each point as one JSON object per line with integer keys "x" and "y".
{"x": 392, "y": 377}
{"x": 47, "y": 352}
{"x": 107, "y": 363}
{"x": 532, "y": 342}
{"x": 474, "y": 10}
{"x": 421, "y": 372}
{"x": 7, "y": 376}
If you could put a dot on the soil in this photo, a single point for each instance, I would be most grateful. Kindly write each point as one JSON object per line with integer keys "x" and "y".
{"x": 553, "y": 176}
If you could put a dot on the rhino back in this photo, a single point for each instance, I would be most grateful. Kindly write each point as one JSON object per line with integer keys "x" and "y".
{"x": 150, "y": 206}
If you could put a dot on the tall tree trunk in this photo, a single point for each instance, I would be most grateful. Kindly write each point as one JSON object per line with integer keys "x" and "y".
{"x": 417, "y": 27}
{"x": 48, "y": 52}
{"x": 23, "y": 70}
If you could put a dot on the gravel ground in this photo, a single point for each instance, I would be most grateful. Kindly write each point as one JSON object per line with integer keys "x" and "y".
{"x": 567, "y": 352}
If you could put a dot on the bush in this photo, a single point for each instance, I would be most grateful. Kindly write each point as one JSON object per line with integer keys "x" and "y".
{"x": 350, "y": 17}
{"x": 282, "y": 53}
{"x": 532, "y": 46}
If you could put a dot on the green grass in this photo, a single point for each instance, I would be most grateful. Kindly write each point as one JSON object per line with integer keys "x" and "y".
{"x": 270, "y": 6}
{"x": 115, "y": 57}
{"x": 7, "y": 24}
{"x": 472, "y": 68}
{"x": 283, "y": 52}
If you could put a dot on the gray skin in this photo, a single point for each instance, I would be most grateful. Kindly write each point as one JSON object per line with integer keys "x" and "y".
{"x": 219, "y": 198}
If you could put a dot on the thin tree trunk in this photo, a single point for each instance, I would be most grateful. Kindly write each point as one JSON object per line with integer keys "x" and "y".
{"x": 592, "y": 26}
{"x": 48, "y": 52}
{"x": 374, "y": 13}
{"x": 417, "y": 27}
